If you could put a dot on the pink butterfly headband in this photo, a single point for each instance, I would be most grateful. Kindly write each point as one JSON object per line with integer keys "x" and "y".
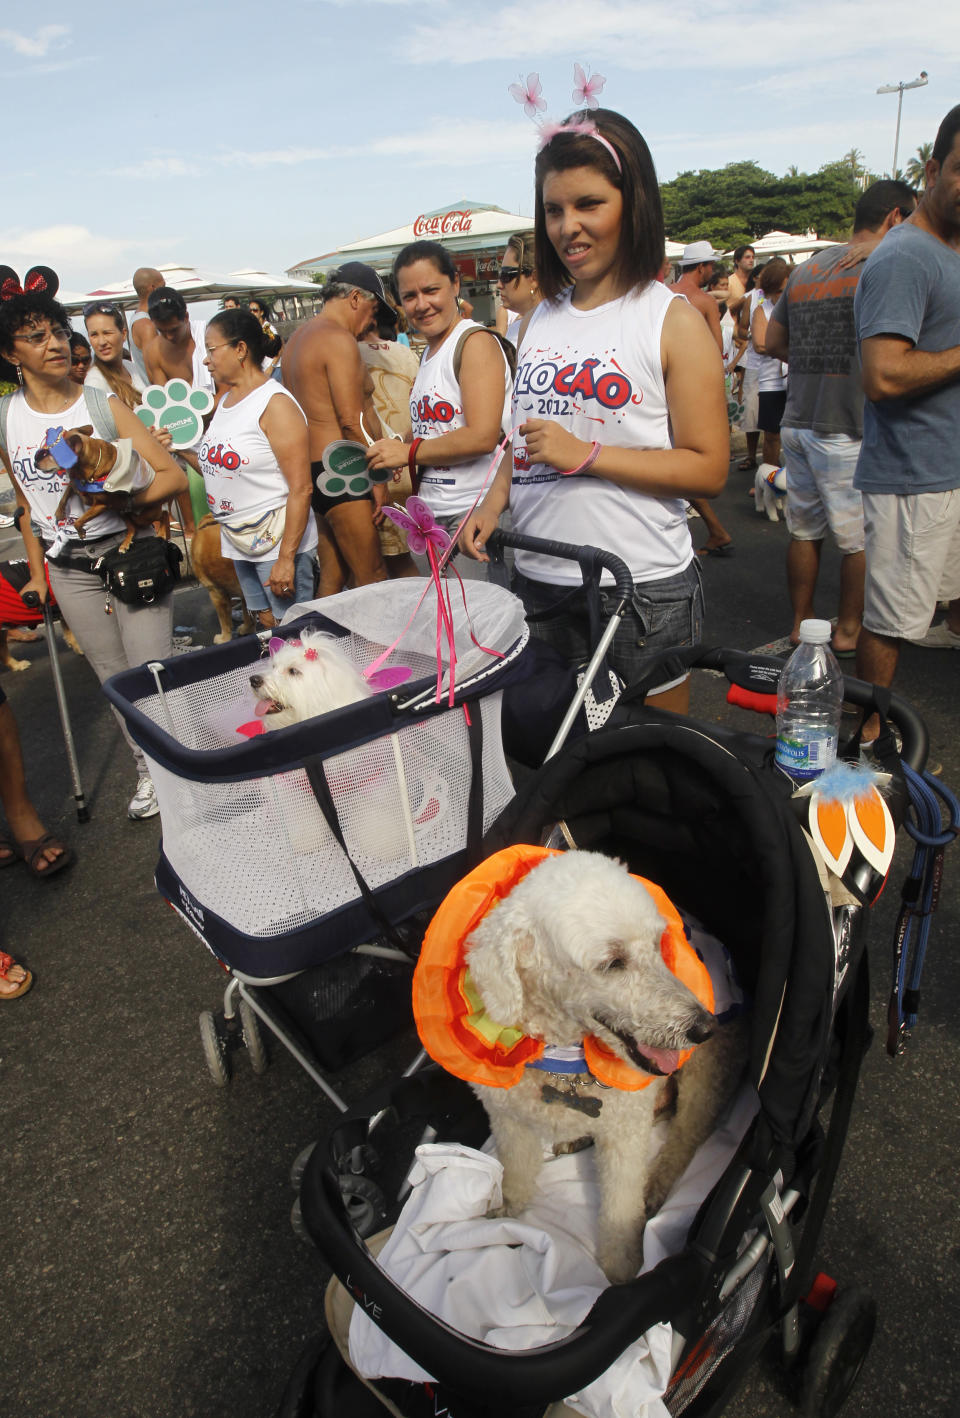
{"x": 586, "y": 89}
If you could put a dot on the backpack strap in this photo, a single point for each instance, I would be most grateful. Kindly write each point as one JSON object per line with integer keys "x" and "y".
{"x": 5, "y": 401}
{"x": 509, "y": 353}
{"x": 101, "y": 414}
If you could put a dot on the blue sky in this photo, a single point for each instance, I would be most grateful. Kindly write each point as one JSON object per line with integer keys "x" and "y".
{"x": 257, "y": 135}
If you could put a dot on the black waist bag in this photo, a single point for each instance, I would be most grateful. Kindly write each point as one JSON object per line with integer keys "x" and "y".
{"x": 142, "y": 574}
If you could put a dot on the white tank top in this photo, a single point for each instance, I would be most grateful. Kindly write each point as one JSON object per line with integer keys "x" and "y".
{"x": 752, "y": 360}
{"x": 436, "y": 407}
{"x": 240, "y": 469}
{"x": 771, "y": 371}
{"x": 202, "y": 378}
{"x": 26, "y": 432}
{"x": 136, "y": 354}
{"x": 599, "y": 374}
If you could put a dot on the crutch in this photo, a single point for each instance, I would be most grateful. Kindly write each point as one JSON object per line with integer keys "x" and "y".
{"x": 32, "y": 600}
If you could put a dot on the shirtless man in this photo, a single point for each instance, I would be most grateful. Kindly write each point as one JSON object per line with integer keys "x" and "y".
{"x": 697, "y": 265}
{"x": 142, "y": 331}
{"x": 323, "y": 370}
{"x": 179, "y": 350}
{"x": 744, "y": 259}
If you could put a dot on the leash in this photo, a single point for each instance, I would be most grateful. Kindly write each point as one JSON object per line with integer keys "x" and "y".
{"x": 920, "y": 896}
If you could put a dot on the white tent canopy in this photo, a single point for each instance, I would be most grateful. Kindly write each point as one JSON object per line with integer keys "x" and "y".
{"x": 463, "y": 227}
{"x": 781, "y": 243}
{"x": 196, "y": 284}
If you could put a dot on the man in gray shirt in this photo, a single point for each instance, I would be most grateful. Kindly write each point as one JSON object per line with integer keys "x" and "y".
{"x": 812, "y": 327}
{"x": 907, "y": 310}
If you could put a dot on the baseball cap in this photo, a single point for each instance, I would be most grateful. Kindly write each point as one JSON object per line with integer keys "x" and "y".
{"x": 355, "y": 273}
{"x": 696, "y": 251}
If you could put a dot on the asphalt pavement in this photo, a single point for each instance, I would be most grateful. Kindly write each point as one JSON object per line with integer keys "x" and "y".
{"x": 148, "y": 1264}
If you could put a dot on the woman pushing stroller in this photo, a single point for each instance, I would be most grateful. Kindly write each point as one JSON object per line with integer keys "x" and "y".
{"x": 618, "y": 401}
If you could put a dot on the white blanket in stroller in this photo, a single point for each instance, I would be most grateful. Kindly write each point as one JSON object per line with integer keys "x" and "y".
{"x": 520, "y": 1282}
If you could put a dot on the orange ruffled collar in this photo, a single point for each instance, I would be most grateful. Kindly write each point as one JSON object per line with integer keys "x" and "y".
{"x": 453, "y": 1026}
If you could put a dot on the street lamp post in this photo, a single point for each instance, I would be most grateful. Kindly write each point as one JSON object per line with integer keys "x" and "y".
{"x": 898, "y": 89}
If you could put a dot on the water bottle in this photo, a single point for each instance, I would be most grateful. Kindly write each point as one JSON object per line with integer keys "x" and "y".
{"x": 809, "y": 702}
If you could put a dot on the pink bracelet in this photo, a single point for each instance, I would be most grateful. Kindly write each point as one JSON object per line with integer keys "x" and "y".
{"x": 588, "y": 462}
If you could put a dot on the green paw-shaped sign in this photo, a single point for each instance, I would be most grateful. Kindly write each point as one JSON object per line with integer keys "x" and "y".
{"x": 177, "y": 407}
{"x": 345, "y": 472}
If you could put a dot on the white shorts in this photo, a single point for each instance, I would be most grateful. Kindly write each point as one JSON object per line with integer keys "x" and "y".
{"x": 820, "y": 490}
{"x": 913, "y": 560}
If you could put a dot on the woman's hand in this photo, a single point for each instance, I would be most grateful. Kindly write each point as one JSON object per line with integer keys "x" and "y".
{"x": 282, "y": 577}
{"x": 551, "y": 443}
{"x": 388, "y": 453}
{"x": 38, "y": 585}
{"x": 163, "y": 436}
{"x": 476, "y": 530}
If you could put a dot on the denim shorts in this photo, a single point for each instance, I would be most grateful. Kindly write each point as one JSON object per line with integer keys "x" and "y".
{"x": 254, "y": 576}
{"x": 664, "y": 614}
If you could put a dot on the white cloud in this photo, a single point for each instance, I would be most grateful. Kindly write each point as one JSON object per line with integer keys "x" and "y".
{"x": 86, "y": 254}
{"x": 167, "y": 166}
{"x": 691, "y": 34}
{"x": 37, "y": 45}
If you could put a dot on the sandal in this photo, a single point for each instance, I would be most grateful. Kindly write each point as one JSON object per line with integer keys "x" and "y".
{"x": 7, "y": 962}
{"x": 32, "y": 852}
{"x": 748, "y": 465}
{"x": 7, "y": 844}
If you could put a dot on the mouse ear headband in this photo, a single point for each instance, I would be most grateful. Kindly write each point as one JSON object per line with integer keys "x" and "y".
{"x": 39, "y": 280}
{"x": 586, "y": 89}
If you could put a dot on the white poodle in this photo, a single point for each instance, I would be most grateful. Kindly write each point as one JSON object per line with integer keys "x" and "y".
{"x": 574, "y": 950}
{"x": 770, "y": 491}
{"x": 307, "y": 677}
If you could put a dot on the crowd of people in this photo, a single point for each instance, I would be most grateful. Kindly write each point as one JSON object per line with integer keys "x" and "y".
{"x": 608, "y": 385}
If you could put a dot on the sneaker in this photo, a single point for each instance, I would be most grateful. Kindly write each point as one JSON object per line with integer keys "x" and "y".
{"x": 144, "y": 801}
{"x": 5, "y": 521}
{"x": 939, "y": 637}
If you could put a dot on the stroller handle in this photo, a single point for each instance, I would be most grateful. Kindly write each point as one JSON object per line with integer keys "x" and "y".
{"x": 589, "y": 558}
{"x": 916, "y": 740}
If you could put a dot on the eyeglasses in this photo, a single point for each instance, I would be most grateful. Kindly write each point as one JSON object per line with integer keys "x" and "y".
{"x": 212, "y": 349}
{"x": 43, "y": 337}
{"x": 507, "y": 274}
{"x": 100, "y": 307}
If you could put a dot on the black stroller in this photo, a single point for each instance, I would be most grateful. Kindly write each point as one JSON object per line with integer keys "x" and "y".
{"x": 700, "y": 810}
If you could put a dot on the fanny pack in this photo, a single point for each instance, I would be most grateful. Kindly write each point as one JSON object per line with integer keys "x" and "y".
{"x": 256, "y": 537}
{"x": 143, "y": 573}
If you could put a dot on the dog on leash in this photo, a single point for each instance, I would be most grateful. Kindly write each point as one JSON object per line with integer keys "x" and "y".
{"x": 103, "y": 475}
{"x": 307, "y": 677}
{"x": 217, "y": 575}
{"x": 770, "y": 490}
{"x": 573, "y": 952}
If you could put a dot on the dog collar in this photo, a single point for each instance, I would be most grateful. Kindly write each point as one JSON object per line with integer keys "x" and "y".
{"x": 453, "y": 1026}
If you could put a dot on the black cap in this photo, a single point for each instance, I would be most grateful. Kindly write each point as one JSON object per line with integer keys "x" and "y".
{"x": 355, "y": 273}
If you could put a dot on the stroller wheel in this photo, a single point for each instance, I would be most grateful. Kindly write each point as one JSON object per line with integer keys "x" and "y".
{"x": 836, "y": 1356}
{"x": 299, "y": 1164}
{"x": 214, "y": 1049}
{"x": 298, "y": 1225}
{"x": 253, "y": 1038}
{"x": 364, "y": 1202}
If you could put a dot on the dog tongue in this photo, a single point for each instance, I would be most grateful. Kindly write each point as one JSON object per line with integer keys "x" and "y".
{"x": 263, "y": 706}
{"x": 666, "y": 1060}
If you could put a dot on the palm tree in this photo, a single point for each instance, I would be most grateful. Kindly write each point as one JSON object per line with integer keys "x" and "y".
{"x": 854, "y": 161}
{"x": 916, "y": 167}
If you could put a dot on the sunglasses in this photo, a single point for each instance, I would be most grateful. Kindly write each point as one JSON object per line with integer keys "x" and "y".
{"x": 82, "y": 358}
{"x": 43, "y": 337}
{"x": 507, "y": 274}
{"x": 100, "y": 307}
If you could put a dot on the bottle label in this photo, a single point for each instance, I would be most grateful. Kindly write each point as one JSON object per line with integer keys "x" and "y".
{"x": 806, "y": 758}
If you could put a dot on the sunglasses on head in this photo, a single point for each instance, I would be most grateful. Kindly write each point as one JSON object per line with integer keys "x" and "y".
{"x": 100, "y": 307}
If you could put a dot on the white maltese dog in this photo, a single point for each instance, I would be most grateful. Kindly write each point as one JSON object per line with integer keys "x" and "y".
{"x": 770, "y": 496}
{"x": 307, "y": 677}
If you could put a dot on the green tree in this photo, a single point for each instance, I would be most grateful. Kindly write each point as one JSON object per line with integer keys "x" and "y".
{"x": 742, "y": 202}
{"x": 916, "y": 167}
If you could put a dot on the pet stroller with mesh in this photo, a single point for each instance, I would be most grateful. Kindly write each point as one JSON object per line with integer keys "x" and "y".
{"x": 699, "y": 809}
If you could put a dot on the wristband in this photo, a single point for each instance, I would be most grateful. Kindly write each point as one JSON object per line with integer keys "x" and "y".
{"x": 588, "y": 462}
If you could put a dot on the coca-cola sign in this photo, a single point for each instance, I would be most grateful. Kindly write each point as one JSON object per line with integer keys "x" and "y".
{"x": 444, "y": 224}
